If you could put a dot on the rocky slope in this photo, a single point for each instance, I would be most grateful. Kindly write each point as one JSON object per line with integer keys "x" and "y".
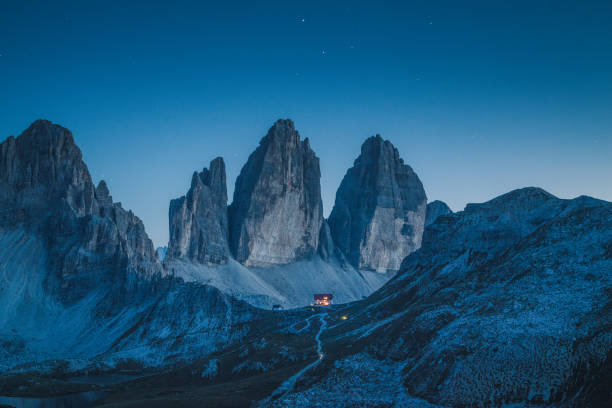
{"x": 434, "y": 210}
{"x": 379, "y": 213}
{"x": 290, "y": 286}
{"x": 277, "y": 213}
{"x": 198, "y": 221}
{"x": 505, "y": 303}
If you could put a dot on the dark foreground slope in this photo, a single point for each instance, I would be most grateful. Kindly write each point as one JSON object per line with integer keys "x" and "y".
{"x": 506, "y": 302}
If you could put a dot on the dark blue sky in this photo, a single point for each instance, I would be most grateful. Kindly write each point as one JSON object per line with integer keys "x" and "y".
{"x": 479, "y": 97}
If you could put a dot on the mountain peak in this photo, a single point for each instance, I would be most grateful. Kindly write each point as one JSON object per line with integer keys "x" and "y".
{"x": 198, "y": 220}
{"x": 44, "y": 161}
{"x": 376, "y": 149}
{"x": 103, "y": 194}
{"x": 434, "y": 210}
{"x": 45, "y": 131}
{"x": 379, "y": 213}
{"x": 528, "y": 197}
{"x": 277, "y": 212}
{"x": 44, "y": 177}
{"x": 526, "y": 192}
{"x": 282, "y": 132}
{"x": 284, "y": 123}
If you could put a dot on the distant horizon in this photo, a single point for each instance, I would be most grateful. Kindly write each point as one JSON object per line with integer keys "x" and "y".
{"x": 480, "y": 98}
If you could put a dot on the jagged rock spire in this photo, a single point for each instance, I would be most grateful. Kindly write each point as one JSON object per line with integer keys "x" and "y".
{"x": 198, "y": 221}
{"x": 276, "y": 215}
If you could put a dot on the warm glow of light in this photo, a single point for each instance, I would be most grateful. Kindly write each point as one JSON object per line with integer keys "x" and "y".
{"x": 344, "y": 317}
{"x": 323, "y": 300}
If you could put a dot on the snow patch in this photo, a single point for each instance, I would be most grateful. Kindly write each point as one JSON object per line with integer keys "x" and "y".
{"x": 292, "y": 285}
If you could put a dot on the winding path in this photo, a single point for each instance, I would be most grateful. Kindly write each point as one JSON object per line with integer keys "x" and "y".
{"x": 288, "y": 384}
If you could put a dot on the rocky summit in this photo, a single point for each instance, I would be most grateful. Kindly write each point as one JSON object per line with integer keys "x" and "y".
{"x": 198, "y": 221}
{"x": 379, "y": 213}
{"x": 436, "y": 209}
{"x": 44, "y": 167}
{"x": 46, "y": 188}
{"x": 277, "y": 212}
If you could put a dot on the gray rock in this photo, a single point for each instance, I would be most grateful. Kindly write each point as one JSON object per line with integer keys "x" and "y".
{"x": 276, "y": 214}
{"x": 46, "y": 188}
{"x": 198, "y": 221}
{"x": 436, "y": 209}
{"x": 379, "y": 214}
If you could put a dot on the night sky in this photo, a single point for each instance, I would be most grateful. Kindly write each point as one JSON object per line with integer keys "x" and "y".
{"x": 479, "y": 97}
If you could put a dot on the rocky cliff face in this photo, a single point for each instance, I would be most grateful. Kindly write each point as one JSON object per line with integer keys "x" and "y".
{"x": 276, "y": 214}
{"x": 46, "y": 188}
{"x": 379, "y": 214}
{"x": 198, "y": 221}
{"x": 434, "y": 210}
